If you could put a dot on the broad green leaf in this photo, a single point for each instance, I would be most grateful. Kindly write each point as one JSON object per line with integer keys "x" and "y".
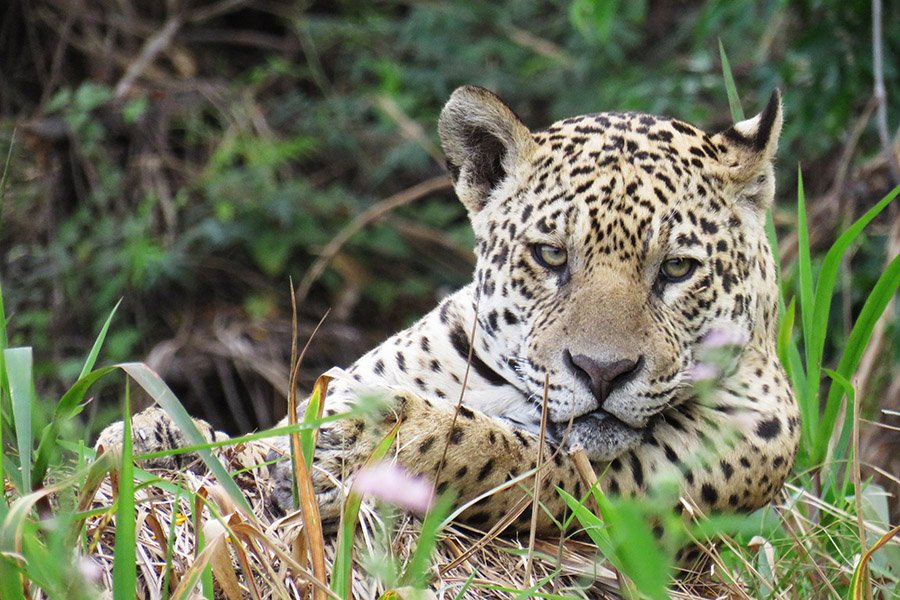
{"x": 124, "y": 574}
{"x": 642, "y": 559}
{"x": 10, "y": 573}
{"x": 806, "y": 281}
{"x": 160, "y": 392}
{"x": 70, "y": 404}
{"x": 734, "y": 100}
{"x": 342, "y": 569}
{"x": 4, "y": 343}
{"x": 872, "y": 309}
{"x": 785, "y": 328}
{"x": 19, "y": 369}
{"x": 416, "y": 574}
{"x": 824, "y": 291}
{"x": 98, "y": 343}
{"x": 596, "y": 529}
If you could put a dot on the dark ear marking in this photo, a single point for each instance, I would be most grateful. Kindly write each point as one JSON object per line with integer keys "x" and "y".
{"x": 764, "y": 129}
{"x": 453, "y": 170}
{"x": 488, "y": 155}
{"x": 767, "y": 121}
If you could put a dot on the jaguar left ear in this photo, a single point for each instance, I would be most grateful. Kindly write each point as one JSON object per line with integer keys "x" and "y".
{"x": 750, "y": 148}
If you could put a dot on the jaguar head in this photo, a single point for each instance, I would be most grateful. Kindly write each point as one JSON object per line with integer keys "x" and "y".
{"x": 609, "y": 248}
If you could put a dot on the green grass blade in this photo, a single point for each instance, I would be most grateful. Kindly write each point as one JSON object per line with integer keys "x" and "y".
{"x": 823, "y": 296}
{"x": 124, "y": 576}
{"x": 831, "y": 264}
{"x": 4, "y": 384}
{"x": 842, "y": 445}
{"x": 636, "y": 548}
{"x": 872, "y": 309}
{"x": 98, "y": 343}
{"x": 341, "y": 572}
{"x": 465, "y": 586}
{"x": 70, "y": 404}
{"x": 169, "y": 566}
{"x": 10, "y": 574}
{"x": 308, "y": 436}
{"x": 734, "y": 100}
{"x": 807, "y": 396}
{"x": 798, "y": 382}
{"x": 804, "y": 264}
{"x": 416, "y": 574}
{"x": 785, "y": 329}
{"x": 342, "y": 569}
{"x": 772, "y": 235}
{"x": 789, "y": 354}
{"x": 4, "y": 344}
{"x": 644, "y": 562}
{"x": 160, "y": 392}
{"x": 19, "y": 370}
{"x": 596, "y": 529}
{"x": 46, "y": 453}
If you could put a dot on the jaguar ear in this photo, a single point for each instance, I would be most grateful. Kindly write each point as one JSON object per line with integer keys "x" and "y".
{"x": 483, "y": 141}
{"x": 750, "y": 148}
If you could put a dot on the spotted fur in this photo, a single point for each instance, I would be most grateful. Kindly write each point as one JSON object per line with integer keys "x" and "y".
{"x": 619, "y": 196}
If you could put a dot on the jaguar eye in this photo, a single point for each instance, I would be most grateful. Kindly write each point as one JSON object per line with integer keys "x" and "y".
{"x": 677, "y": 269}
{"x": 550, "y": 257}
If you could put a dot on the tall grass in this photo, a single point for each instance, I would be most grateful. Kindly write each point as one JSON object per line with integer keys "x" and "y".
{"x": 830, "y": 538}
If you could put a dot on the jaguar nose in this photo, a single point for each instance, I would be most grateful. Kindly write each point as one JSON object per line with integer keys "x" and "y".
{"x": 603, "y": 377}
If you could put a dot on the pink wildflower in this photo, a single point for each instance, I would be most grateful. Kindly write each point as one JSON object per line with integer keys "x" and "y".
{"x": 89, "y": 570}
{"x": 702, "y": 372}
{"x": 391, "y": 483}
{"x": 724, "y": 336}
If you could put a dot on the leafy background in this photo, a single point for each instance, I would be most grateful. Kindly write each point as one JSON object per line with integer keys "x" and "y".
{"x": 195, "y": 158}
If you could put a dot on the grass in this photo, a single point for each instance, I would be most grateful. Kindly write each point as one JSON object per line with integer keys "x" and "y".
{"x": 828, "y": 537}
{"x": 72, "y": 523}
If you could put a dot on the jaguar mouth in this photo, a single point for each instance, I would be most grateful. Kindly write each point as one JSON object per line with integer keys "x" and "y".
{"x": 600, "y": 434}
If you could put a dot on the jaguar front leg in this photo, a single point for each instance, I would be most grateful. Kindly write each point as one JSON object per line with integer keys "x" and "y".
{"x": 462, "y": 449}
{"x": 152, "y": 430}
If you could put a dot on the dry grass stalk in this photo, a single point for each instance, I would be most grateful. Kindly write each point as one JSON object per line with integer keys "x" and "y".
{"x": 264, "y": 567}
{"x": 537, "y": 479}
{"x": 306, "y": 495}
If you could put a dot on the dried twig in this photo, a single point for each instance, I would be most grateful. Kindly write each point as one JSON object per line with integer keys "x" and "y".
{"x": 152, "y": 48}
{"x": 58, "y": 54}
{"x": 370, "y": 215}
{"x": 409, "y": 128}
{"x": 539, "y": 45}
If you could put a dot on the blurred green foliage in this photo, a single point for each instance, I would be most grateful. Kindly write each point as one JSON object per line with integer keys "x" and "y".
{"x": 262, "y": 129}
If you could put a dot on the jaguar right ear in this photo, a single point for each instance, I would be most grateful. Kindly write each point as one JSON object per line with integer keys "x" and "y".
{"x": 483, "y": 141}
